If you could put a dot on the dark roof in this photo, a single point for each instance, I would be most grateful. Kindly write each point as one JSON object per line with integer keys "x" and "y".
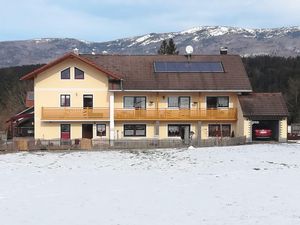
{"x": 137, "y": 72}
{"x": 32, "y": 74}
{"x": 263, "y": 105}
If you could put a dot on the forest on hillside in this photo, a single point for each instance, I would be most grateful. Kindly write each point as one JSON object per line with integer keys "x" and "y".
{"x": 277, "y": 74}
{"x": 266, "y": 73}
{"x": 13, "y": 91}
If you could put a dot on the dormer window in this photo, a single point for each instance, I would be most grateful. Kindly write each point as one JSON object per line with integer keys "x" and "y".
{"x": 65, "y": 74}
{"x": 79, "y": 74}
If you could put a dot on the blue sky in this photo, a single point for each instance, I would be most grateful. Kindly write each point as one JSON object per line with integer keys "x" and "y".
{"x": 104, "y": 20}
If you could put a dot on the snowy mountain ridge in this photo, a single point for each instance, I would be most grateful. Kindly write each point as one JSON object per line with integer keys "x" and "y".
{"x": 284, "y": 41}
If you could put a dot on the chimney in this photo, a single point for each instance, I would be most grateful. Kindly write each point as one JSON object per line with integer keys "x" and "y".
{"x": 223, "y": 50}
{"x": 76, "y": 51}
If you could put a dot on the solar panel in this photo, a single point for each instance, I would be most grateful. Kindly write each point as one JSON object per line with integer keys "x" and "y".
{"x": 188, "y": 67}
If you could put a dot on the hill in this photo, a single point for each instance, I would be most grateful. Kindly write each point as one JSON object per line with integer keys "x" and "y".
{"x": 205, "y": 40}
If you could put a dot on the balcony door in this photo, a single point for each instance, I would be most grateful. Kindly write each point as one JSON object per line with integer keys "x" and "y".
{"x": 88, "y": 101}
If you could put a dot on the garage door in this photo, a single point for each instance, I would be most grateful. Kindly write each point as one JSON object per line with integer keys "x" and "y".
{"x": 265, "y": 130}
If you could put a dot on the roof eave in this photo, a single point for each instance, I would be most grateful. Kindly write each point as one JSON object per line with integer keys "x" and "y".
{"x": 71, "y": 55}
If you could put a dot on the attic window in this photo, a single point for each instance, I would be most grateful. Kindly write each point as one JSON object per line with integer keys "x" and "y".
{"x": 79, "y": 74}
{"x": 188, "y": 67}
{"x": 65, "y": 74}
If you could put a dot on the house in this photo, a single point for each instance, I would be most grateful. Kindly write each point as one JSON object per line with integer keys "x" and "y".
{"x": 150, "y": 96}
{"x": 22, "y": 123}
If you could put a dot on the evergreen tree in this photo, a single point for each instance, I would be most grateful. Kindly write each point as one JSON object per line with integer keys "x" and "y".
{"x": 168, "y": 47}
{"x": 163, "y": 48}
{"x": 171, "y": 48}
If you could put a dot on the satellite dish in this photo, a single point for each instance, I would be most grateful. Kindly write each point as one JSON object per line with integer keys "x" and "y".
{"x": 189, "y": 49}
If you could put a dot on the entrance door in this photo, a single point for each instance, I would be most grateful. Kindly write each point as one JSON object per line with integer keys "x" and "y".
{"x": 65, "y": 133}
{"x": 88, "y": 101}
{"x": 87, "y": 131}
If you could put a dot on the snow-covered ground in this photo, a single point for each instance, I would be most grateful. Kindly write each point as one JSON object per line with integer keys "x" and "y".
{"x": 252, "y": 184}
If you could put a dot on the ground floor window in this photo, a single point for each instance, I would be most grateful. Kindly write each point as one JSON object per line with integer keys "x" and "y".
{"x": 65, "y": 131}
{"x": 177, "y": 130}
{"x": 134, "y": 130}
{"x": 219, "y": 130}
{"x": 101, "y": 130}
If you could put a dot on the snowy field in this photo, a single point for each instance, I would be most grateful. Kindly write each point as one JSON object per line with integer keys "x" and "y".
{"x": 252, "y": 184}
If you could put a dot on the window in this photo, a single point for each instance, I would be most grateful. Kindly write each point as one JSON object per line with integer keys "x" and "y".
{"x": 179, "y": 102}
{"x": 65, "y": 100}
{"x": 177, "y": 130}
{"x": 217, "y": 102}
{"x": 88, "y": 101}
{"x": 65, "y": 131}
{"x": 135, "y": 130}
{"x": 65, "y": 74}
{"x": 135, "y": 102}
{"x": 219, "y": 130}
{"x": 79, "y": 74}
{"x": 101, "y": 130}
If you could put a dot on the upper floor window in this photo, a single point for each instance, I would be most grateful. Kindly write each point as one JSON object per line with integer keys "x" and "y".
{"x": 65, "y": 74}
{"x": 217, "y": 102}
{"x": 79, "y": 74}
{"x": 179, "y": 102}
{"x": 65, "y": 100}
{"x": 138, "y": 102}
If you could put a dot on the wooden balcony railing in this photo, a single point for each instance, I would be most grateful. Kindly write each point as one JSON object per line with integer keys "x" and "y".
{"x": 71, "y": 113}
{"x": 139, "y": 114}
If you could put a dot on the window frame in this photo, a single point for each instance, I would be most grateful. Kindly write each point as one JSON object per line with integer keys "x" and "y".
{"x": 100, "y": 124}
{"x": 87, "y": 96}
{"x": 179, "y": 126}
{"x": 76, "y": 76}
{"x": 217, "y": 102}
{"x": 134, "y": 130}
{"x": 221, "y": 131}
{"x": 134, "y": 102}
{"x": 65, "y": 95}
{"x": 179, "y": 102}
{"x": 69, "y": 75}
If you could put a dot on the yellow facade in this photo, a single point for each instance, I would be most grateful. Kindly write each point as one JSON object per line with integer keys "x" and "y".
{"x": 48, "y": 87}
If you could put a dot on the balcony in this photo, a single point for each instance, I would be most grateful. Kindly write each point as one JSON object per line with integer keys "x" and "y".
{"x": 72, "y": 113}
{"x": 86, "y": 114}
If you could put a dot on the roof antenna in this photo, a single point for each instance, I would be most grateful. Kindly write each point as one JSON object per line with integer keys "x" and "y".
{"x": 189, "y": 50}
{"x": 223, "y": 50}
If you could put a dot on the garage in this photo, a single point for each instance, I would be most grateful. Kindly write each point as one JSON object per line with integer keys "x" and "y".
{"x": 265, "y": 130}
{"x": 266, "y": 115}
